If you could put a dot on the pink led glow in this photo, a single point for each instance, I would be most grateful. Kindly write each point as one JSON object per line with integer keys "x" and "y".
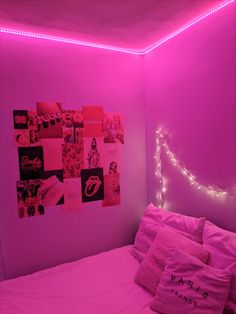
{"x": 67, "y": 40}
{"x": 185, "y": 27}
{"x": 113, "y": 48}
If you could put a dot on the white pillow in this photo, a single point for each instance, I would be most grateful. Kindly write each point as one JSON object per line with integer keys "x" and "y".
{"x": 151, "y": 268}
{"x": 188, "y": 226}
{"x": 221, "y": 245}
{"x": 189, "y": 286}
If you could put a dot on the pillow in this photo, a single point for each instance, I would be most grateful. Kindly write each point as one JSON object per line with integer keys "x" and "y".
{"x": 189, "y": 286}
{"x": 189, "y": 226}
{"x": 221, "y": 245}
{"x": 151, "y": 268}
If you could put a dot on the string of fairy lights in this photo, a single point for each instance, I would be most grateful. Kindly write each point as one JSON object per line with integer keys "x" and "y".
{"x": 163, "y": 146}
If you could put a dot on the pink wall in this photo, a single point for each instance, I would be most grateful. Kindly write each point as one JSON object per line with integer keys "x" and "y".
{"x": 190, "y": 89}
{"x": 188, "y": 85}
{"x": 34, "y": 70}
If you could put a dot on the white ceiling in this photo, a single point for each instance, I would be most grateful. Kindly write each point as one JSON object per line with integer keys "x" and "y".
{"x": 133, "y": 24}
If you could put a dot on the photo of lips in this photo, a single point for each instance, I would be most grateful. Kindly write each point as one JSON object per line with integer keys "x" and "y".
{"x": 92, "y": 184}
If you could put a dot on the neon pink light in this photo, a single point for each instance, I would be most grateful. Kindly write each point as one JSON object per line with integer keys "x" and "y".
{"x": 183, "y": 28}
{"x": 66, "y": 40}
{"x": 113, "y": 48}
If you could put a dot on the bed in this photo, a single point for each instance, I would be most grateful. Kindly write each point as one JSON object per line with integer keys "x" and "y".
{"x": 177, "y": 264}
{"x": 100, "y": 284}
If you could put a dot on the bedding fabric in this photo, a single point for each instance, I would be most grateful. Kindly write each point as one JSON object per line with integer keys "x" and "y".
{"x": 188, "y": 226}
{"x": 221, "y": 245}
{"x": 100, "y": 284}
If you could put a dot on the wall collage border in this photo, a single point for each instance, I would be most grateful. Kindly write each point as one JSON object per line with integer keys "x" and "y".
{"x": 67, "y": 157}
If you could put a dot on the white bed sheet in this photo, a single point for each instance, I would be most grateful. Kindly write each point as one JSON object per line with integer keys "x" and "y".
{"x": 100, "y": 284}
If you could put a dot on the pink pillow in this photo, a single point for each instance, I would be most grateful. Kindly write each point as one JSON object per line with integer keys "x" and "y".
{"x": 189, "y": 286}
{"x": 151, "y": 268}
{"x": 221, "y": 245}
{"x": 189, "y": 226}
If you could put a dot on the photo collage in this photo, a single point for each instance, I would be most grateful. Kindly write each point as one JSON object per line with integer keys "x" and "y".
{"x": 67, "y": 157}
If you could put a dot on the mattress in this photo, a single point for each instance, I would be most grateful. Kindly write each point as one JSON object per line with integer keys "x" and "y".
{"x": 100, "y": 284}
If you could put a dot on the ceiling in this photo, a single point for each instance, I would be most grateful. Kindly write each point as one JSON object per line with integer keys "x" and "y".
{"x": 131, "y": 24}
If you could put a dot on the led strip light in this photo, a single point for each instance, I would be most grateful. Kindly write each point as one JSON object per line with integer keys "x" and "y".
{"x": 66, "y": 40}
{"x": 162, "y": 146}
{"x": 11, "y": 31}
{"x": 185, "y": 27}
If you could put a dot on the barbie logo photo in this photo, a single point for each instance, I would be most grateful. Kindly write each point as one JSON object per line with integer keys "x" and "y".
{"x": 30, "y": 162}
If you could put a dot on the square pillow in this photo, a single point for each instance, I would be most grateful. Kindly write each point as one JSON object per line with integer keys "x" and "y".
{"x": 221, "y": 245}
{"x": 151, "y": 268}
{"x": 189, "y": 226}
{"x": 189, "y": 286}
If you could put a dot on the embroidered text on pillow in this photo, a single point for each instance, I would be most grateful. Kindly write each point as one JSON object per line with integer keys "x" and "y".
{"x": 190, "y": 284}
{"x": 184, "y": 297}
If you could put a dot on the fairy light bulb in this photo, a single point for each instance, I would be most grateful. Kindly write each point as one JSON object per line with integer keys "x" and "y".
{"x": 162, "y": 145}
